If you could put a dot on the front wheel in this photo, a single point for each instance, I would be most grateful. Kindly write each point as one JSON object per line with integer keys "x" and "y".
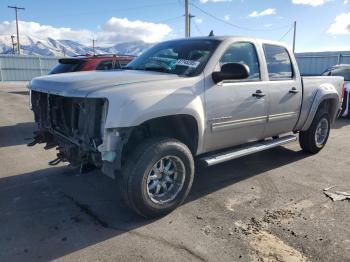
{"x": 157, "y": 177}
{"x": 315, "y": 138}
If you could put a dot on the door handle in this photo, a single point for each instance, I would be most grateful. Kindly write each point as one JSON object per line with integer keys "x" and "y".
{"x": 293, "y": 90}
{"x": 258, "y": 94}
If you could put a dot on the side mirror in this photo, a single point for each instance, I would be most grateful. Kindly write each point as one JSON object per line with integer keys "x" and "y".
{"x": 231, "y": 71}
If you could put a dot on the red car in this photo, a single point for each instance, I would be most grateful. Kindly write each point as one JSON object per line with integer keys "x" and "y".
{"x": 91, "y": 62}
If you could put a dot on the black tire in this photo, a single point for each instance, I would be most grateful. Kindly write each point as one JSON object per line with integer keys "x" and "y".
{"x": 135, "y": 172}
{"x": 307, "y": 139}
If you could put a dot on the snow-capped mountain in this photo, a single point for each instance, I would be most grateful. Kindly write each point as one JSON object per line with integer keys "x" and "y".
{"x": 31, "y": 45}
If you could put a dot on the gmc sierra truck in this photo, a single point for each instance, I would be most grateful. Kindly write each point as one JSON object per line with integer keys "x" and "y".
{"x": 210, "y": 99}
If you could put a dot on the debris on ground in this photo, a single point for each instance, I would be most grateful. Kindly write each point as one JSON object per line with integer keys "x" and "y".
{"x": 270, "y": 248}
{"x": 336, "y": 195}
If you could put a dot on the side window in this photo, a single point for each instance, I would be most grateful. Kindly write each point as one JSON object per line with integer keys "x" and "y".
{"x": 244, "y": 53}
{"x": 105, "y": 65}
{"x": 278, "y": 62}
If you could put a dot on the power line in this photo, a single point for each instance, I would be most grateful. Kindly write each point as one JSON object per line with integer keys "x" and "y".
{"x": 169, "y": 19}
{"x": 116, "y": 10}
{"x": 234, "y": 25}
{"x": 198, "y": 29}
{"x": 286, "y": 33}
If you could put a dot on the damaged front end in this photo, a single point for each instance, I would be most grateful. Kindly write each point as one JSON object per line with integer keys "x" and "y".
{"x": 75, "y": 126}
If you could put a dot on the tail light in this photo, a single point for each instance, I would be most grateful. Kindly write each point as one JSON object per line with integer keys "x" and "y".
{"x": 343, "y": 93}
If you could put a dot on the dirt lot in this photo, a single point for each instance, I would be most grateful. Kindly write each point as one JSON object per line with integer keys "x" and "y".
{"x": 265, "y": 207}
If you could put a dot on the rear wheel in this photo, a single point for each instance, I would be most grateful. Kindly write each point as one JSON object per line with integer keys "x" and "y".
{"x": 157, "y": 177}
{"x": 315, "y": 138}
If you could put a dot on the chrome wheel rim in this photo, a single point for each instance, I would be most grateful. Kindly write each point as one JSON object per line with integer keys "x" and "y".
{"x": 321, "y": 132}
{"x": 166, "y": 179}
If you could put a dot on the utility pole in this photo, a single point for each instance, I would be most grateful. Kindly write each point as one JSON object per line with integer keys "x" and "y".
{"x": 187, "y": 20}
{"x": 294, "y": 35}
{"x": 189, "y": 24}
{"x": 93, "y": 45}
{"x": 13, "y": 44}
{"x": 16, "y": 11}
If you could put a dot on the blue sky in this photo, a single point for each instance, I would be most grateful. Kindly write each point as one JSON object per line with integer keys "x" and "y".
{"x": 322, "y": 24}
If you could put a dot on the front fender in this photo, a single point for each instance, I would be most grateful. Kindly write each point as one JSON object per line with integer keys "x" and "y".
{"x": 136, "y": 104}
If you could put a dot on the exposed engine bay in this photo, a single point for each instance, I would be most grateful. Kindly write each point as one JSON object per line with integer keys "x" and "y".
{"x": 73, "y": 125}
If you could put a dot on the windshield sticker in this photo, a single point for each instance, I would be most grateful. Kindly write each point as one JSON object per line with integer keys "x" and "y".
{"x": 188, "y": 63}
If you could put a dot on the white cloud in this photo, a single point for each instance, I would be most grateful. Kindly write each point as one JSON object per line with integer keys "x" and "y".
{"x": 227, "y": 17}
{"x": 198, "y": 20}
{"x": 214, "y": 1}
{"x": 122, "y": 28}
{"x": 43, "y": 31}
{"x": 115, "y": 30}
{"x": 310, "y": 2}
{"x": 341, "y": 25}
{"x": 346, "y": 2}
{"x": 269, "y": 11}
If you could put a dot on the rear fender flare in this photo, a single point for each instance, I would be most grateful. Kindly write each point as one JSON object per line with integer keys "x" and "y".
{"x": 325, "y": 92}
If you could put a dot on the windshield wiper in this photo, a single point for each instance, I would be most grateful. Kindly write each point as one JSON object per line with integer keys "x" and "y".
{"x": 156, "y": 68}
{"x": 128, "y": 67}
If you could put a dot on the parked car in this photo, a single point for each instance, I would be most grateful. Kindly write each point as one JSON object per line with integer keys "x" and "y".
{"x": 88, "y": 63}
{"x": 212, "y": 99}
{"x": 91, "y": 62}
{"x": 344, "y": 71}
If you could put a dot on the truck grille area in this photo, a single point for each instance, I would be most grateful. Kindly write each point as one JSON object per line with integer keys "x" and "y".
{"x": 72, "y": 124}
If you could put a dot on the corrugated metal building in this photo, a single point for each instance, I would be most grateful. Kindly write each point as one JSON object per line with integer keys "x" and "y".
{"x": 315, "y": 63}
{"x": 23, "y": 67}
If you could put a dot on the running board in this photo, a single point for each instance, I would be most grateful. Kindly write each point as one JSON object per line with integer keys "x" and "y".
{"x": 246, "y": 150}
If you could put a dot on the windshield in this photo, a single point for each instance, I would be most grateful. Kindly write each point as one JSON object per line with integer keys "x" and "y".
{"x": 181, "y": 57}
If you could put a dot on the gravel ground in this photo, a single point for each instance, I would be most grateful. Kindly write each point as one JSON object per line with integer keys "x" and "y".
{"x": 265, "y": 207}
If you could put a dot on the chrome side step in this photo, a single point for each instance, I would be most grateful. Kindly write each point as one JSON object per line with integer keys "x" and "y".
{"x": 246, "y": 150}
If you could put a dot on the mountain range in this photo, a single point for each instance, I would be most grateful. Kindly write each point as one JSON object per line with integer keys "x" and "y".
{"x": 31, "y": 45}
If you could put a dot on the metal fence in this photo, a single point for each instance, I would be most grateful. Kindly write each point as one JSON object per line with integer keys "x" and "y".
{"x": 24, "y": 68}
{"x": 317, "y": 63}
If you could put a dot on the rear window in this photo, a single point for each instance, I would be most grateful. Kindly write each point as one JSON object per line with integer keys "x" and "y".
{"x": 110, "y": 65}
{"x": 121, "y": 63}
{"x": 67, "y": 66}
{"x": 105, "y": 65}
{"x": 344, "y": 72}
{"x": 278, "y": 62}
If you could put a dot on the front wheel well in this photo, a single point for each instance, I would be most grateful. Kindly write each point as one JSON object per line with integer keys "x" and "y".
{"x": 181, "y": 127}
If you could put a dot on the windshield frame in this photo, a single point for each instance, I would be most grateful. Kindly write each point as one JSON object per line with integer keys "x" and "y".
{"x": 133, "y": 65}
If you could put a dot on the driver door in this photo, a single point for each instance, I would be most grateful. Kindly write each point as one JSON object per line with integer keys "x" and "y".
{"x": 236, "y": 110}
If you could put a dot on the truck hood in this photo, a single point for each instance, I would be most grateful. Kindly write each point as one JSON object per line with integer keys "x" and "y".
{"x": 83, "y": 83}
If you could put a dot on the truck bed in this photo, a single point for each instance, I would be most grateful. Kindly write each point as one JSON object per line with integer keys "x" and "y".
{"x": 311, "y": 85}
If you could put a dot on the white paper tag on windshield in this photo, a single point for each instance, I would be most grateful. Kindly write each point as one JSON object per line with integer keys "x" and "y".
{"x": 189, "y": 63}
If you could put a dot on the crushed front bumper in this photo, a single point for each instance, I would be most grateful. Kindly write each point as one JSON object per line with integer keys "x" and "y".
{"x": 73, "y": 125}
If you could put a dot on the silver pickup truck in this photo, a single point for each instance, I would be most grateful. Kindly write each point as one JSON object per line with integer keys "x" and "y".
{"x": 212, "y": 99}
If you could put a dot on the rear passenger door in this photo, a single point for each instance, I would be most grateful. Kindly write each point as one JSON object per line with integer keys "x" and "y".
{"x": 284, "y": 89}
